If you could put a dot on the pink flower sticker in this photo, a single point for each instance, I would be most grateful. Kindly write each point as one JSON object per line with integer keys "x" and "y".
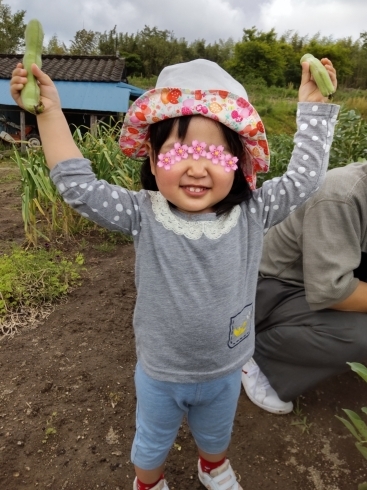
{"x": 229, "y": 162}
{"x": 215, "y": 153}
{"x": 179, "y": 151}
{"x": 165, "y": 160}
{"x": 197, "y": 150}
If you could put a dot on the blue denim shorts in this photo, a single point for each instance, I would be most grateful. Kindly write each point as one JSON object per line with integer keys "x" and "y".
{"x": 210, "y": 408}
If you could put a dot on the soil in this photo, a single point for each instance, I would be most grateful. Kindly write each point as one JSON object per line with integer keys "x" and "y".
{"x": 67, "y": 398}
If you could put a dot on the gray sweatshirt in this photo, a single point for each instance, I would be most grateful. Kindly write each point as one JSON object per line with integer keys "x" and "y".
{"x": 319, "y": 245}
{"x": 196, "y": 274}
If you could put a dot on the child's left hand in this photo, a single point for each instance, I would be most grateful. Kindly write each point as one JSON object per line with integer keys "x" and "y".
{"x": 308, "y": 90}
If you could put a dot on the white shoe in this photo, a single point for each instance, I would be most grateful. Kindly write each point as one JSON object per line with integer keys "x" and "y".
{"x": 258, "y": 389}
{"x": 161, "y": 485}
{"x": 222, "y": 478}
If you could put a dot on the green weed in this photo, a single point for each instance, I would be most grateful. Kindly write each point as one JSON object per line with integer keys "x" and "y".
{"x": 29, "y": 280}
{"x": 356, "y": 426}
{"x": 301, "y": 419}
{"x": 50, "y": 430}
{"x": 105, "y": 247}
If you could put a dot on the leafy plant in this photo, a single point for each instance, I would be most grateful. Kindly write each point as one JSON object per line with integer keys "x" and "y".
{"x": 355, "y": 424}
{"x": 105, "y": 247}
{"x": 349, "y": 145}
{"x": 29, "y": 280}
{"x": 45, "y": 214}
{"x": 108, "y": 161}
{"x": 301, "y": 419}
{"x": 50, "y": 430}
{"x": 350, "y": 139}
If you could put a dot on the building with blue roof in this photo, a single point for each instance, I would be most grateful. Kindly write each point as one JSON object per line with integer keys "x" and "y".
{"x": 91, "y": 88}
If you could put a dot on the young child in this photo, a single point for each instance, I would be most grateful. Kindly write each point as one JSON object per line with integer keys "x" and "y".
{"x": 198, "y": 228}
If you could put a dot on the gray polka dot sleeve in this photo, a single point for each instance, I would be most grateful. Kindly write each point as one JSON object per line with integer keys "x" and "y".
{"x": 278, "y": 197}
{"x": 110, "y": 206}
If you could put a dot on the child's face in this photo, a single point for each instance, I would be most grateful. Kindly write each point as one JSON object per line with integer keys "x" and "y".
{"x": 194, "y": 186}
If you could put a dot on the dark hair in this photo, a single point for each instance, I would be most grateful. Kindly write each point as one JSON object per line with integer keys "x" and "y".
{"x": 158, "y": 134}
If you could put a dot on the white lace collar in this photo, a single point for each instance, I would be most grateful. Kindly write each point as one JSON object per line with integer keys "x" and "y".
{"x": 192, "y": 229}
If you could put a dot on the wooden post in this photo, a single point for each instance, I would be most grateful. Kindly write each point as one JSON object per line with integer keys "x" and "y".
{"x": 93, "y": 124}
{"x": 22, "y": 132}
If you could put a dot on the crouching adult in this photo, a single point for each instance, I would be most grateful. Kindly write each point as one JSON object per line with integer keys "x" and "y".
{"x": 311, "y": 299}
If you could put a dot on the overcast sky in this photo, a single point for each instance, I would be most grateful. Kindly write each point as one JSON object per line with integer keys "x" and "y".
{"x": 197, "y": 19}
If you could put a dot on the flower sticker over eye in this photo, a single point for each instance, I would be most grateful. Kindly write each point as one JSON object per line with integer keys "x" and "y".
{"x": 215, "y": 154}
{"x": 197, "y": 150}
{"x": 166, "y": 160}
{"x": 229, "y": 162}
{"x": 179, "y": 152}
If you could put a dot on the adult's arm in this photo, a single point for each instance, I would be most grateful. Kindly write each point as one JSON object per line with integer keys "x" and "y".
{"x": 357, "y": 301}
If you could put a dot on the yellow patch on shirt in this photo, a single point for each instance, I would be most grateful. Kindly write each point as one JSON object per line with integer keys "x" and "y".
{"x": 239, "y": 330}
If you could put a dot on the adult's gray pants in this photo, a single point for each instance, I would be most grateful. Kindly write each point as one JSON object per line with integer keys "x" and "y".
{"x": 296, "y": 348}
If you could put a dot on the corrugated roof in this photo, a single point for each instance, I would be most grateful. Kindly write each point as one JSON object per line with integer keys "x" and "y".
{"x": 93, "y": 96}
{"x": 72, "y": 68}
{"x": 135, "y": 91}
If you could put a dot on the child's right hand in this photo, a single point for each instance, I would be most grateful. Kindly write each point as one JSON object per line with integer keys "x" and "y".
{"x": 49, "y": 95}
{"x": 57, "y": 140}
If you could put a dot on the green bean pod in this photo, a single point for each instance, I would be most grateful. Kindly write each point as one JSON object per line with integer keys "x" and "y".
{"x": 320, "y": 74}
{"x": 30, "y": 94}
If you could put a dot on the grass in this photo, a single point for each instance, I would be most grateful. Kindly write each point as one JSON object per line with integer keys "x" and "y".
{"x": 300, "y": 419}
{"x": 279, "y": 116}
{"x": 357, "y": 103}
{"x": 30, "y": 282}
{"x": 10, "y": 177}
{"x": 144, "y": 83}
{"x": 105, "y": 247}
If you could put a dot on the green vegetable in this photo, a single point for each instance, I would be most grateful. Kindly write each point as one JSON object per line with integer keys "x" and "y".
{"x": 320, "y": 74}
{"x": 30, "y": 94}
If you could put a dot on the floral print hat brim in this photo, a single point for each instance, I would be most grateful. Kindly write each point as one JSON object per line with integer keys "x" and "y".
{"x": 220, "y": 105}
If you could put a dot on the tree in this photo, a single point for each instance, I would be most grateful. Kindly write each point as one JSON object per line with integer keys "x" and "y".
{"x": 363, "y": 37}
{"x": 134, "y": 65}
{"x": 258, "y": 57}
{"x": 157, "y": 49}
{"x": 108, "y": 43}
{"x": 85, "y": 43}
{"x": 55, "y": 46}
{"x": 12, "y": 29}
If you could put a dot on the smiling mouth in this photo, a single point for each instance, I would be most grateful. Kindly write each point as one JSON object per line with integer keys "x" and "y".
{"x": 195, "y": 189}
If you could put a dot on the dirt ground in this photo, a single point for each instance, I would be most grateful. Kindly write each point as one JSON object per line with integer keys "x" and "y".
{"x": 67, "y": 397}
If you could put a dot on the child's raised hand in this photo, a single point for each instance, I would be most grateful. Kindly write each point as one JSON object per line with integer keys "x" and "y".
{"x": 49, "y": 95}
{"x": 308, "y": 90}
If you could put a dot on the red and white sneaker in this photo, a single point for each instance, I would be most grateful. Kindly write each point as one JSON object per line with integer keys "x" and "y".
{"x": 221, "y": 478}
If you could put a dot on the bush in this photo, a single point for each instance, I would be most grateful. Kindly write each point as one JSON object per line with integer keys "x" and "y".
{"x": 349, "y": 145}
{"x": 29, "y": 280}
{"x": 45, "y": 214}
{"x": 350, "y": 139}
{"x": 356, "y": 426}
